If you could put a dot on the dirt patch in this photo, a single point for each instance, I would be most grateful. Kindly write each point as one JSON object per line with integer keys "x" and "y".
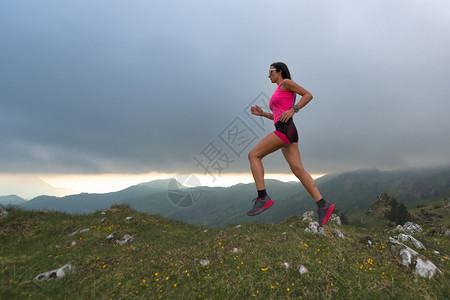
{"x": 16, "y": 228}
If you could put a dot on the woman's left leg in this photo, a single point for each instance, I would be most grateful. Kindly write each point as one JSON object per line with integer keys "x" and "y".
{"x": 324, "y": 208}
{"x": 292, "y": 155}
{"x": 267, "y": 145}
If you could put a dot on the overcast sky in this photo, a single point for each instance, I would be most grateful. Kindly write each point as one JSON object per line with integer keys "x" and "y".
{"x": 164, "y": 86}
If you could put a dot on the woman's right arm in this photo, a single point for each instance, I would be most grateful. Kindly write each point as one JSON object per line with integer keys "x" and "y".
{"x": 257, "y": 111}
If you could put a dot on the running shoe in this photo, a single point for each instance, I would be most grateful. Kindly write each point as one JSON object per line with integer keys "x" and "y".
{"x": 260, "y": 206}
{"x": 325, "y": 213}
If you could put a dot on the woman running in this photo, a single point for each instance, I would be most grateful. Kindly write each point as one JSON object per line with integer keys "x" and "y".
{"x": 283, "y": 107}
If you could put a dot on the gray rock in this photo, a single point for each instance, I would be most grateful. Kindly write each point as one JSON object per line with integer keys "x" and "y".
{"x": 336, "y": 219}
{"x": 58, "y": 273}
{"x": 339, "y": 234}
{"x": 413, "y": 253}
{"x": 321, "y": 231}
{"x": 204, "y": 262}
{"x": 406, "y": 257}
{"x": 426, "y": 269}
{"x": 394, "y": 241}
{"x": 308, "y": 216}
{"x": 303, "y": 270}
{"x": 412, "y": 228}
{"x": 79, "y": 231}
{"x": 402, "y": 237}
{"x": 447, "y": 233}
{"x": 414, "y": 241}
{"x": 315, "y": 228}
{"x": 417, "y": 244}
{"x": 126, "y": 239}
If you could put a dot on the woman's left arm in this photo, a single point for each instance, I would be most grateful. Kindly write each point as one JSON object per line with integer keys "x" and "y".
{"x": 292, "y": 86}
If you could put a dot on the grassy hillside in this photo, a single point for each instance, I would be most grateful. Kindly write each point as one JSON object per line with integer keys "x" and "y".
{"x": 164, "y": 260}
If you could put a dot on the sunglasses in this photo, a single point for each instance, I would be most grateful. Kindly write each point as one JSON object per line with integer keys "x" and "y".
{"x": 271, "y": 70}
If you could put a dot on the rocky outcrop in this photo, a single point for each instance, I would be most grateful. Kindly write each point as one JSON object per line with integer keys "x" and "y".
{"x": 308, "y": 216}
{"x": 338, "y": 233}
{"x": 126, "y": 239}
{"x": 409, "y": 227}
{"x": 426, "y": 269}
{"x": 412, "y": 258}
{"x": 315, "y": 228}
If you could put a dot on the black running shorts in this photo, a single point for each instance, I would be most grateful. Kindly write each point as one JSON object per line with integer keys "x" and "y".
{"x": 286, "y": 131}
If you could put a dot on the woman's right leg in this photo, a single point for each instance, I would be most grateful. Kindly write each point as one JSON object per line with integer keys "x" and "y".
{"x": 267, "y": 145}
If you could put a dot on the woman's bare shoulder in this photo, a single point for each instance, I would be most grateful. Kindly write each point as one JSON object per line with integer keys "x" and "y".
{"x": 288, "y": 84}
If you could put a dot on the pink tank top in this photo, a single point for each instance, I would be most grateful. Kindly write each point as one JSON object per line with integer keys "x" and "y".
{"x": 280, "y": 102}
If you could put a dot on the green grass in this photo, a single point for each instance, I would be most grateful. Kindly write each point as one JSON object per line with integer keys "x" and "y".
{"x": 163, "y": 260}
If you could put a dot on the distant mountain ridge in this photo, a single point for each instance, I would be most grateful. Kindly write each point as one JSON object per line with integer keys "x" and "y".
{"x": 218, "y": 206}
{"x": 87, "y": 203}
{"x": 11, "y": 200}
{"x": 14, "y": 185}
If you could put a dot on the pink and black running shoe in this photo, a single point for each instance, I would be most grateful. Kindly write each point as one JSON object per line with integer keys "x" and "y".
{"x": 260, "y": 206}
{"x": 325, "y": 213}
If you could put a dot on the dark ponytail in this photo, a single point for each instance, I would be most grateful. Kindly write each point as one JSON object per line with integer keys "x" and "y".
{"x": 279, "y": 66}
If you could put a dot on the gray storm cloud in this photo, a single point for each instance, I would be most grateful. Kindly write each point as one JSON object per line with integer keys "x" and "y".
{"x": 136, "y": 87}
